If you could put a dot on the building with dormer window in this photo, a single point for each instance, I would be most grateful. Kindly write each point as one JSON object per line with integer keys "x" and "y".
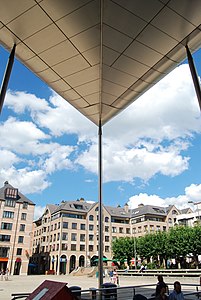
{"x": 16, "y": 221}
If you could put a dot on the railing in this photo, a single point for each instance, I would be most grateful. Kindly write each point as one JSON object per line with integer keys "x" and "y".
{"x": 163, "y": 272}
{"x": 126, "y": 292}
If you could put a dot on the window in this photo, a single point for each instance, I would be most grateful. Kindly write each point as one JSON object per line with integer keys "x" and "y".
{"x": 25, "y": 205}
{"x": 82, "y": 226}
{"x": 4, "y": 238}
{"x": 4, "y": 251}
{"x": 10, "y": 202}
{"x": 6, "y": 226}
{"x": 22, "y": 227}
{"x": 82, "y": 237}
{"x": 73, "y": 247}
{"x": 58, "y": 236}
{"x": 73, "y": 236}
{"x": 82, "y": 247}
{"x": 107, "y": 238}
{"x": 8, "y": 214}
{"x": 91, "y": 227}
{"x": 91, "y": 248}
{"x": 64, "y": 236}
{"x": 59, "y": 225}
{"x": 19, "y": 251}
{"x": 64, "y": 247}
{"x": 107, "y": 249}
{"x": 11, "y": 193}
{"x": 23, "y": 216}
{"x": 55, "y": 226}
{"x": 91, "y": 237}
{"x": 20, "y": 239}
{"x": 114, "y": 229}
{"x": 106, "y": 219}
{"x": 121, "y": 230}
{"x": 106, "y": 228}
{"x": 65, "y": 224}
{"x": 128, "y": 231}
{"x": 91, "y": 218}
{"x": 74, "y": 225}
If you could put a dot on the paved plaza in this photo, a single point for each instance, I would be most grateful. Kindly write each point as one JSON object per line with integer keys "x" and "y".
{"x": 23, "y": 284}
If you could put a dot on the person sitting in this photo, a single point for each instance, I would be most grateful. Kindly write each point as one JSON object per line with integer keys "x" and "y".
{"x": 176, "y": 294}
{"x": 162, "y": 287}
{"x": 160, "y": 279}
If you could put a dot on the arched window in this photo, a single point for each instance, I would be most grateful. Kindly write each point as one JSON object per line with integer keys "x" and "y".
{"x": 106, "y": 219}
{"x": 91, "y": 218}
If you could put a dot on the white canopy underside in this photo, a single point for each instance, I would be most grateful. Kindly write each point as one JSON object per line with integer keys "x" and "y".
{"x": 100, "y": 56}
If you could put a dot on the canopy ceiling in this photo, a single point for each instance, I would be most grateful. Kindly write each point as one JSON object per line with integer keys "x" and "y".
{"x": 100, "y": 55}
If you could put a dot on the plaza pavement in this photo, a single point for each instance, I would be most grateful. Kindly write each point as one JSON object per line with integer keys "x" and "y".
{"x": 26, "y": 284}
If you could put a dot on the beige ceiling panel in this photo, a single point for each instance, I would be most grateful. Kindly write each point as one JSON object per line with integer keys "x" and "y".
{"x": 130, "y": 66}
{"x": 143, "y": 54}
{"x": 80, "y": 103}
{"x": 144, "y": 9}
{"x": 64, "y": 51}
{"x": 10, "y": 11}
{"x": 119, "y": 103}
{"x": 129, "y": 95}
{"x": 177, "y": 54}
{"x": 91, "y": 110}
{"x": 84, "y": 76}
{"x": 60, "y": 86}
{"x": 23, "y": 52}
{"x": 35, "y": 20}
{"x": 88, "y": 88}
{"x": 94, "y": 118}
{"x": 152, "y": 76}
{"x": 1, "y": 25}
{"x": 168, "y": 20}
{"x": 165, "y": 65}
{"x": 114, "y": 39}
{"x": 109, "y": 111}
{"x": 139, "y": 86}
{"x": 157, "y": 40}
{"x": 48, "y": 76}
{"x": 187, "y": 10}
{"x": 118, "y": 77}
{"x": 36, "y": 64}
{"x": 71, "y": 95}
{"x": 92, "y": 55}
{"x": 112, "y": 88}
{"x": 193, "y": 40}
{"x": 107, "y": 98}
{"x": 8, "y": 38}
{"x": 58, "y": 9}
{"x": 88, "y": 39}
{"x": 81, "y": 19}
{"x": 109, "y": 56}
{"x": 71, "y": 66}
{"x": 131, "y": 27}
{"x": 93, "y": 98}
{"x": 45, "y": 38}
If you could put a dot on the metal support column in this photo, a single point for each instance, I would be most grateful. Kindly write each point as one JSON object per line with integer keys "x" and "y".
{"x": 100, "y": 209}
{"x": 194, "y": 75}
{"x": 7, "y": 76}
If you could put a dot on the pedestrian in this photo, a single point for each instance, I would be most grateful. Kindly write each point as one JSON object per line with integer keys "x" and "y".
{"x": 176, "y": 294}
{"x": 1, "y": 274}
{"x": 6, "y": 274}
{"x": 115, "y": 276}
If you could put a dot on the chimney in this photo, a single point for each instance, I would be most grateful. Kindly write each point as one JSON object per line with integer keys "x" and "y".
{"x": 126, "y": 207}
{"x": 81, "y": 199}
{"x": 6, "y": 182}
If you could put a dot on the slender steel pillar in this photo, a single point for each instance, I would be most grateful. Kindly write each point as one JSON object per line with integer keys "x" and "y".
{"x": 7, "y": 76}
{"x": 100, "y": 209}
{"x": 194, "y": 75}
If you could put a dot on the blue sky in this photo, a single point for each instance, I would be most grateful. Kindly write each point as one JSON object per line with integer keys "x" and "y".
{"x": 151, "y": 151}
